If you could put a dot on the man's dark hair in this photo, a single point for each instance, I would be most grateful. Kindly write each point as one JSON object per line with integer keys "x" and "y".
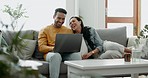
{"x": 60, "y": 10}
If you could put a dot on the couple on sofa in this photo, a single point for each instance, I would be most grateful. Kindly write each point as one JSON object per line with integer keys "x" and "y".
{"x": 95, "y": 45}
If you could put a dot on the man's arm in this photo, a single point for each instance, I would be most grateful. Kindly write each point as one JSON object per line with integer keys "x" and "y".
{"x": 43, "y": 43}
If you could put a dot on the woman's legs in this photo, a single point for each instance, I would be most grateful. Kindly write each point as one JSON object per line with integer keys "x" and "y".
{"x": 111, "y": 54}
{"x": 108, "y": 45}
{"x": 113, "y": 46}
{"x": 54, "y": 60}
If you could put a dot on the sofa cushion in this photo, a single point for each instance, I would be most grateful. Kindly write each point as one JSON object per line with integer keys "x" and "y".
{"x": 27, "y": 34}
{"x": 114, "y": 34}
{"x": 27, "y": 51}
{"x": 44, "y": 69}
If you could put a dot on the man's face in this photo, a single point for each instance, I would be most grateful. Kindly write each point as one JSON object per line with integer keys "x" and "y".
{"x": 59, "y": 19}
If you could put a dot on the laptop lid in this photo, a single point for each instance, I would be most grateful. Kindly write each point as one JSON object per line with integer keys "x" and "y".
{"x": 68, "y": 43}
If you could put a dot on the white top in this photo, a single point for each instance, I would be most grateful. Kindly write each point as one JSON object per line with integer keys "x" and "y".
{"x": 104, "y": 63}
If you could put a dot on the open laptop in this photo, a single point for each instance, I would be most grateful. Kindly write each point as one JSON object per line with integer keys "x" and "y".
{"x": 68, "y": 43}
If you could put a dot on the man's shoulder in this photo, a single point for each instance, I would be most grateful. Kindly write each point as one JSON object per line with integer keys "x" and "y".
{"x": 47, "y": 27}
{"x": 44, "y": 29}
{"x": 51, "y": 27}
{"x": 64, "y": 27}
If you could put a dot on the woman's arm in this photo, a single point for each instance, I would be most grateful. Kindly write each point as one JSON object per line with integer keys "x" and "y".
{"x": 97, "y": 43}
{"x": 87, "y": 55}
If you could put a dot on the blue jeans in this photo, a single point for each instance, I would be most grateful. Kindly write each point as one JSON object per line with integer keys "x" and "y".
{"x": 55, "y": 60}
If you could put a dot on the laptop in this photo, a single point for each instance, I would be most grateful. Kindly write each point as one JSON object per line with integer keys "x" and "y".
{"x": 68, "y": 43}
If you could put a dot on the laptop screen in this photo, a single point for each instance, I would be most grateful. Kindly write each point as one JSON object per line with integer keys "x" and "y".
{"x": 68, "y": 43}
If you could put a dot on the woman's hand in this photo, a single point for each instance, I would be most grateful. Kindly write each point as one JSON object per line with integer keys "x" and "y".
{"x": 86, "y": 56}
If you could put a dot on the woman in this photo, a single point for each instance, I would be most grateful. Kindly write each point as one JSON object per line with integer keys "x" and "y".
{"x": 96, "y": 46}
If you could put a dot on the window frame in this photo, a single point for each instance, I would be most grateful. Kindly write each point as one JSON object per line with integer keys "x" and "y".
{"x": 135, "y": 19}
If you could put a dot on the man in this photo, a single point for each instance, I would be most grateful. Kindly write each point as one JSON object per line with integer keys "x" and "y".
{"x": 46, "y": 41}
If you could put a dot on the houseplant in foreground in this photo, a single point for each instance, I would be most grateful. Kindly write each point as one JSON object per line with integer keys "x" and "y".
{"x": 9, "y": 67}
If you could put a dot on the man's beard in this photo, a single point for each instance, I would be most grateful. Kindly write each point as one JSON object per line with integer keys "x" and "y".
{"x": 58, "y": 25}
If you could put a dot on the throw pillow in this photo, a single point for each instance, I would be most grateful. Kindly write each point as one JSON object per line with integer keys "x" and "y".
{"x": 113, "y": 34}
{"x": 8, "y": 35}
{"x": 27, "y": 51}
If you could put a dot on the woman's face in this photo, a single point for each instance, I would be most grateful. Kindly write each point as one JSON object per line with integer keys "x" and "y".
{"x": 75, "y": 24}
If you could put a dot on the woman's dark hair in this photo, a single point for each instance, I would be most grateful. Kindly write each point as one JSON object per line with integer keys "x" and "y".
{"x": 85, "y": 30}
{"x": 79, "y": 19}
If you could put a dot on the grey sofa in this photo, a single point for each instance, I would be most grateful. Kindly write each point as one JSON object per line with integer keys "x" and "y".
{"x": 116, "y": 34}
{"x": 31, "y": 51}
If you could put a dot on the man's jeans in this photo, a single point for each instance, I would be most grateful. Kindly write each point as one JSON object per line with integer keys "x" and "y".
{"x": 55, "y": 60}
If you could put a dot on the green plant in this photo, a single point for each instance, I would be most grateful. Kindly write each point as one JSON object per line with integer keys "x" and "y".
{"x": 142, "y": 35}
{"x": 9, "y": 67}
{"x": 144, "y": 32}
{"x": 15, "y": 15}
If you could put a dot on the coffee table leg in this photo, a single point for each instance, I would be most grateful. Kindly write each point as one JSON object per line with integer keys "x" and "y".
{"x": 135, "y": 75}
{"x": 70, "y": 74}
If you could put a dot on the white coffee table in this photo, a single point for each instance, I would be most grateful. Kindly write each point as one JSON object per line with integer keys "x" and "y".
{"x": 104, "y": 67}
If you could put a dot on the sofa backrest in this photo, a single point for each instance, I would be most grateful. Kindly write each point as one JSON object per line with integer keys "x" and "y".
{"x": 118, "y": 35}
{"x": 28, "y": 44}
{"x": 115, "y": 34}
{"x": 9, "y": 35}
{"x": 29, "y": 35}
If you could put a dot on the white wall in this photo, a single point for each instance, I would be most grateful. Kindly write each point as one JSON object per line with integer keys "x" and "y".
{"x": 92, "y": 11}
{"x": 40, "y": 12}
{"x": 70, "y": 7}
{"x": 101, "y": 14}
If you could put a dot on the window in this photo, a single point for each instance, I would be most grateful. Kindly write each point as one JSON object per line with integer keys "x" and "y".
{"x": 40, "y": 12}
{"x": 120, "y": 15}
